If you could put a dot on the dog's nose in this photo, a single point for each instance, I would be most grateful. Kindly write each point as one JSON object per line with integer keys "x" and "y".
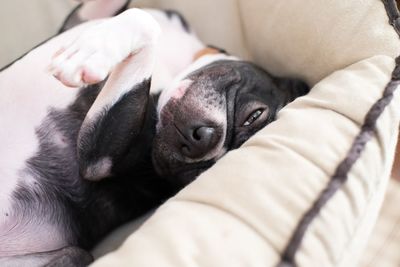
{"x": 197, "y": 141}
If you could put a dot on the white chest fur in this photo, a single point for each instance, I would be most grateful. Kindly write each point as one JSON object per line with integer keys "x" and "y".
{"x": 28, "y": 92}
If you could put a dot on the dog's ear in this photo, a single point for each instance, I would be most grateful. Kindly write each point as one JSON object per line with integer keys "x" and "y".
{"x": 291, "y": 88}
{"x": 116, "y": 139}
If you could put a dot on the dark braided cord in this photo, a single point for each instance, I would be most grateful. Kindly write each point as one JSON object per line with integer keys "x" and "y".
{"x": 341, "y": 174}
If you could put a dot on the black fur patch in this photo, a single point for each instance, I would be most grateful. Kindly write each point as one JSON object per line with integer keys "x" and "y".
{"x": 85, "y": 211}
{"x": 121, "y": 133}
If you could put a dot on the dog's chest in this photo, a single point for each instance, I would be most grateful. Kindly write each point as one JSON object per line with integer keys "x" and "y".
{"x": 24, "y": 104}
{"x": 40, "y": 123}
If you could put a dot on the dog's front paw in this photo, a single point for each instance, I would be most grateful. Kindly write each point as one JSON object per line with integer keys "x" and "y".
{"x": 91, "y": 57}
{"x": 83, "y": 62}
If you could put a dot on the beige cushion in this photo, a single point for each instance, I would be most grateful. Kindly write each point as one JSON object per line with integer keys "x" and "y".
{"x": 309, "y": 39}
{"x": 24, "y": 24}
{"x": 384, "y": 246}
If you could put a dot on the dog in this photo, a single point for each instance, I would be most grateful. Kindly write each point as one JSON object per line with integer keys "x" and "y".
{"x": 78, "y": 162}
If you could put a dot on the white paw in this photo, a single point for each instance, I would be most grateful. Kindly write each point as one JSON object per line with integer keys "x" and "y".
{"x": 89, "y": 59}
{"x": 83, "y": 62}
{"x": 93, "y": 55}
{"x": 76, "y": 68}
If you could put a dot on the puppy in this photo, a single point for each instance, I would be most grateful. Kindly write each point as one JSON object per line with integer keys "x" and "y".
{"x": 78, "y": 162}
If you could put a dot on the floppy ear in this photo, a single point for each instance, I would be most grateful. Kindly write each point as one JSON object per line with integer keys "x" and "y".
{"x": 116, "y": 139}
{"x": 291, "y": 88}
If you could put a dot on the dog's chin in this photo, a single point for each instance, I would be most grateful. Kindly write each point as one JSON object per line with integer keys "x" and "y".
{"x": 179, "y": 172}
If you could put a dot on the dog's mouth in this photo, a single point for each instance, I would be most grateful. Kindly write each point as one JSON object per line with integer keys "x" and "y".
{"x": 180, "y": 171}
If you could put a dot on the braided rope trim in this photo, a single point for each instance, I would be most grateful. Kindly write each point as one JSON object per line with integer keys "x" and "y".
{"x": 340, "y": 176}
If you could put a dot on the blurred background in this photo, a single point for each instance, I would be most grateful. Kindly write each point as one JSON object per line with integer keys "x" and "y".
{"x": 26, "y": 23}
{"x": 23, "y": 24}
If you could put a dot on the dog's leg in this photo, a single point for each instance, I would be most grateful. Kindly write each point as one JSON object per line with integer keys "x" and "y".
{"x": 68, "y": 256}
{"x": 124, "y": 44}
{"x": 130, "y": 36}
{"x": 89, "y": 10}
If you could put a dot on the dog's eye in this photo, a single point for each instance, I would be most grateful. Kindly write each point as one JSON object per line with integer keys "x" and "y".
{"x": 253, "y": 117}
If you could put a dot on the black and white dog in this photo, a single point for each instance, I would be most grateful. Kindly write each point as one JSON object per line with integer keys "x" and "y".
{"x": 76, "y": 163}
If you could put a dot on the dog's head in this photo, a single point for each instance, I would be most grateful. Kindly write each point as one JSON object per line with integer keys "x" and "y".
{"x": 214, "y": 107}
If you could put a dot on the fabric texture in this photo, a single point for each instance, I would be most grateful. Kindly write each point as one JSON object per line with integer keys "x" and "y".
{"x": 24, "y": 24}
{"x": 384, "y": 246}
{"x": 307, "y": 39}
